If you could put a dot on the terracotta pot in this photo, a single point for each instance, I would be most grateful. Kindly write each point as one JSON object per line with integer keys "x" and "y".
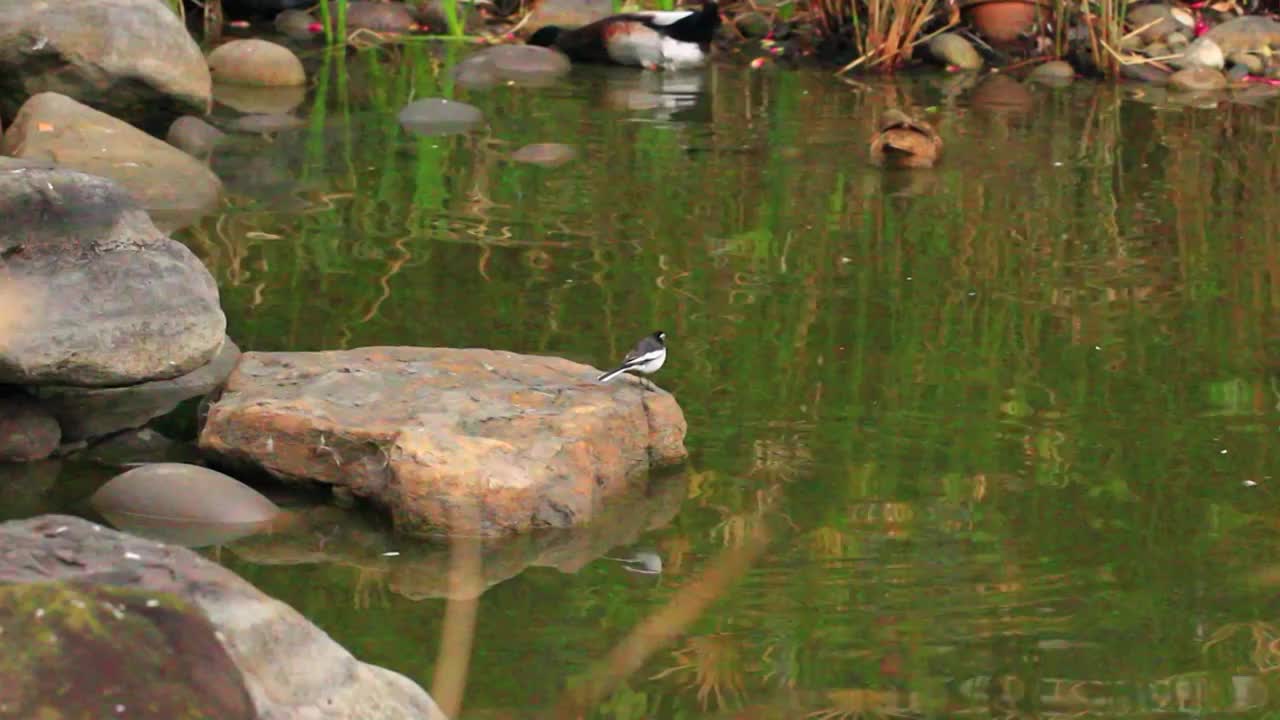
{"x": 1001, "y": 21}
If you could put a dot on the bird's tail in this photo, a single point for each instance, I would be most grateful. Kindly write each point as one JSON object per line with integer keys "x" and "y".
{"x": 612, "y": 374}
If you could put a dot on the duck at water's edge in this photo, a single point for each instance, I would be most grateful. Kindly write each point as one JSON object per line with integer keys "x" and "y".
{"x": 668, "y": 40}
{"x": 903, "y": 142}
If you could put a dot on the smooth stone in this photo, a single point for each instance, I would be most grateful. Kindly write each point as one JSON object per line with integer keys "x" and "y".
{"x": 298, "y": 25}
{"x": 438, "y": 116}
{"x": 290, "y": 668}
{"x": 1250, "y": 33}
{"x": 1177, "y": 41}
{"x": 256, "y": 63}
{"x": 952, "y": 49}
{"x": 1252, "y": 64}
{"x": 1203, "y": 53}
{"x": 259, "y": 100}
{"x": 1198, "y": 80}
{"x": 1157, "y": 50}
{"x": 1158, "y": 15}
{"x": 381, "y": 17}
{"x": 265, "y": 123}
{"x": 1132, "y": 43}
{"x": 97, "y": 295}
{"x": 91, "y": 413}
{"x": 548, "y": 155}
{"x": 425, "y": 431}
{"x": 526, "y": 65}
{"x": 27, "y": 431}
{"x": 173, "y": 186}
{"x": 141, "y": 654}
{"x": 130, "y": 58}
{"x": 193, "y": 136}
{"x": 1054, "y": 72}
{"x": 190, "y": 504}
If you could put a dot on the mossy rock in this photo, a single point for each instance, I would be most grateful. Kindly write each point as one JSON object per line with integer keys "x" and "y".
{"x": 75, "y": 652}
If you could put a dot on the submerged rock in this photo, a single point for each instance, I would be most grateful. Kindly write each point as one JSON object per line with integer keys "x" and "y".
{"x": 27, "y": 431}
{"x": 451, "y": 441}
{"x": 266, "y": 123}
{"x": 170, "y": 184}
{"x": 516, "y": 64}
{"x": 438, "y": 116}
{"x": 290, "y": 668}
{"x": 73, "y": 651}
{"x": 1198, "y": 80}
{"x": 298, "y": 25}
{"x": 90, "y": 413}
{"x": 257, "y": 63}
{"x": 260, "y": 100}
{"x": 130, "y": 58}
{"x": 548, "y": 155}
{"x": 381, "y": 17}
{"x": 952, "y": 49}
{"x": 184, "y": 504}
{"x": 100, "y": 296}
{"x": 193, "y": 136}
{"x": 1054, "y": 72}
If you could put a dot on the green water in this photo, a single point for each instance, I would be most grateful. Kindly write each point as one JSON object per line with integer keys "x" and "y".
{"x": 1011, "y": 423}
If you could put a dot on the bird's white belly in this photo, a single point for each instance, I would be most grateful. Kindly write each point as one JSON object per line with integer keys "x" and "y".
{"x": 652, "y": 366}
{"x": 648, "y": 48}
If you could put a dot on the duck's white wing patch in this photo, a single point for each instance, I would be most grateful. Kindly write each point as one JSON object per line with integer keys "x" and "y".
{"x": 676, "y": 54}
{"x": 637, "y": 45}
{"x": 664, "y": 18}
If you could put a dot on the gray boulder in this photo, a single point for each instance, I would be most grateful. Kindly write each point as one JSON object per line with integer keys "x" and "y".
{"x": 131, "y": 58}
{"x": 170, "y": 184}
{"x": 290, "y": 668}
{"x": 96, "y": 296}
{"x": 89, "y": 413}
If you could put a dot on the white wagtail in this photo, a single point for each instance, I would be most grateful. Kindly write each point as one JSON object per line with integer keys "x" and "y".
{"x": 645, "y": 358}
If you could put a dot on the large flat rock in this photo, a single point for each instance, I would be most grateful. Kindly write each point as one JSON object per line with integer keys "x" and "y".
{"x": 290, "y": 668}
{"x": 131, "y": 58}
{"x": 95, "y": 295}
{"x": 451, "y": 441}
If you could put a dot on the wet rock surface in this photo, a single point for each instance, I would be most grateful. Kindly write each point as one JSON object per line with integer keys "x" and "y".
{"x": 549, "y": 155}
{"x": 100, "y": 296}
{"x": 256, "y": 63}
{"x": 289, "y": 667}
{"x": 952, "y": 49}
{"x": 518, "y": 64}
{"x": 1197, "y": 79}
{"x": 449, "y": 441}
{"x": 89, "y": 413}
{"x": 381, "y": 17}
{"x": 73, "y": 651}
{"x": 194, "y": 136}
{"x": 27, "y": 430}
{"x": 170, "y": 184}
{"x": 439, "y": 116}
{"x": 131, "y": 58}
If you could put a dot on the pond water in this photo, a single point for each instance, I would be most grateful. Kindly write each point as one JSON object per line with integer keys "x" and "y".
{"x": 995, "y": 439}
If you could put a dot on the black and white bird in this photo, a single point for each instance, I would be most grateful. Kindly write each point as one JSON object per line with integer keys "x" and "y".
{"x": 668, "y": 40}
{"x": 645, "y": 358}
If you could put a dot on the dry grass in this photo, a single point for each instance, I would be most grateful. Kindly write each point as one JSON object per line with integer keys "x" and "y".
{"x": 883, "y": 33}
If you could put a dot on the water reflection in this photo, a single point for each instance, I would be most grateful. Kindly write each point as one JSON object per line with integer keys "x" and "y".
{"x": 1009, "y": 423}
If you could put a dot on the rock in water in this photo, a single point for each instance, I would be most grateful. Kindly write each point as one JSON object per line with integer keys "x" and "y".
{"x": 27, "y": 431}
{"x": 567, "y": 13}
{"x": 1054, "y": 72}
{"x": 952, "y": 49}
{"x": 91, "y": 413}
{"x": 106, "y": 299}
{"x": 1203, "y": 53}
{"x": 1198, "y": 80}
{"x": 1251, "y": 33}
{"x": 193, "y": 136}
{"x": 1155, "y": 19}
{"x": 527, "y": 65}
{"x": 548, "y": 155}
{"x": 130, "y": 58}
{"x": 438, "y": 116}
{"x": 290, "y": 667}
{"x": 532, "y": 441}
{"x": 185, "y": 504}
{"x": 256, "y": 63}
{"x": 382, "y": 17}
{"x": 164, "y": 656}
{"x": 170, "y": 184}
